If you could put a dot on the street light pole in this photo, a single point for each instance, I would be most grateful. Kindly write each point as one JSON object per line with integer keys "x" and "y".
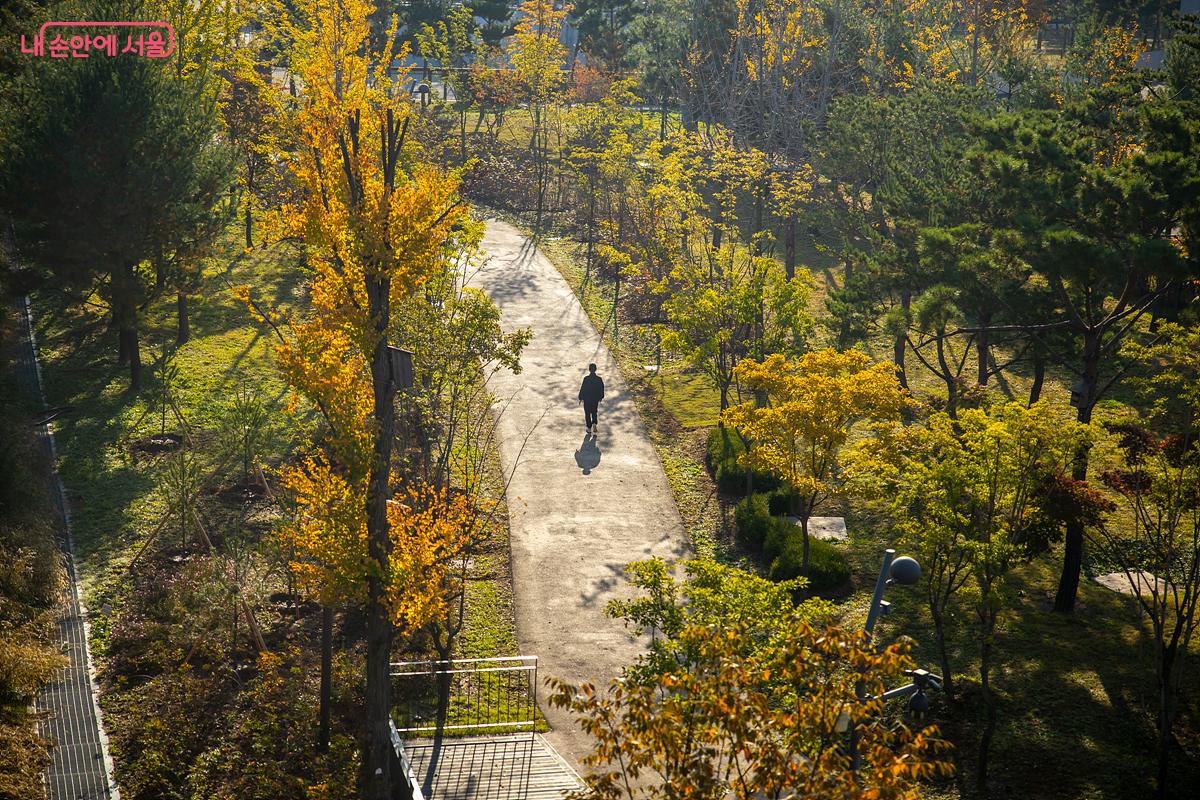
{"x": 903, "y": 570}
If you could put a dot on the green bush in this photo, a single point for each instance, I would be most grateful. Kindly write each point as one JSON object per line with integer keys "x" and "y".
{"x": 753, "y": 520}
{"x": 827, "y": 567}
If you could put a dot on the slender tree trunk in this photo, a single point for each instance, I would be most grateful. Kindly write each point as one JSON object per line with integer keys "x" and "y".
{"x": 662, "y": 120}
{"x": 616, "y": 305}
{"x": 249, "y": 228}
{"x": 326, "y": 678}
{"x": 1166, "y": 718}
{"x": 789, "y": 247}
{"x": 989, "y": 706}
{"x": 983, "y": 346}
{"x": 939, "y": 630}
{"x": 806, "y": 512}
{"x": 900, "y": 343}
{"x": 184, "y": 329}
{"x": 759, "y": 211}
{"x": 1068, "y": 582}
{"x": 132, "y": 348}
{"x": 1039, "y": 376}
{"x": 462, "y": 133}
{"x": 379, "y": 546}
{"x": 947, "y": 376}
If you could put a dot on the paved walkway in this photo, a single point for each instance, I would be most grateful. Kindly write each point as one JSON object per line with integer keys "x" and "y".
{"x": 80, "y": 767}
{"x": 516, "y": 767}
{"x": 580, "y": 509}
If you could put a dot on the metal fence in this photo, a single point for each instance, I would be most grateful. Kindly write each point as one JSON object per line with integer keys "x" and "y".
{"x": 464, "y": 696}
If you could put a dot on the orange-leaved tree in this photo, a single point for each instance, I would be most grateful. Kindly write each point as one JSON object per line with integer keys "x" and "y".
{"x": 377, "y": 223}
{"x": 814, "y": 403}
{"x": 744, "y": 719}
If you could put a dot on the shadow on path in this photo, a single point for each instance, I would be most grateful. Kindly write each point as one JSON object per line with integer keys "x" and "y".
{"x": 588, "y": 454}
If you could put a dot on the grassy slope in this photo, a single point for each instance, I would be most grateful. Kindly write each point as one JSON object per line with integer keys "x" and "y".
{"x": 114, "y": 491}
{"x": 1076, "y": 692}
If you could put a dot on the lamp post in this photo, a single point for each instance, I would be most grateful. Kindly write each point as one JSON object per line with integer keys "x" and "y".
{"x": 906, "y": 571}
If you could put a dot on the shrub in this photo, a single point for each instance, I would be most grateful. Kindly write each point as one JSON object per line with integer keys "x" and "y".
{"x": 753, "y": 520}
{"x": 827, "y": 567}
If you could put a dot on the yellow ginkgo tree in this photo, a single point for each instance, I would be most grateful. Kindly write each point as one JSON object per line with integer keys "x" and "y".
{"x": 377, "y": 223}
{"x": 814, "y": 402}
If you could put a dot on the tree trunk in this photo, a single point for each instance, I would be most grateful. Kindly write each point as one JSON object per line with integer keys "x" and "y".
{"x": 759, "y": 211}
{"x": 939, "y": 629}
{"x": 184, "y": 329}
{"x": 900, "y": 343}
{"x": 662, "y": 120}
{"x": 807, "y": 512}
{"x": 947, "y": 376}
{"x": 1039, "y": 376}
{"x": 983, "y": 348}
{"x": 131, "y": 349}
{"x": 789, "y": 247}
{"x": 1068, "y": 582}
{"x": 1166, "y": 717}
{"x": 989, "y": 706}
{"x": 249, "y": 228}
{"x": 379, "y": 546}
{"x": 616, "y": 305}
{"x": 326, "y": 678}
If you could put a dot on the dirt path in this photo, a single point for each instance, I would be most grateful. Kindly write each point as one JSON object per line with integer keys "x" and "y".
{"x": 580, "y": 508}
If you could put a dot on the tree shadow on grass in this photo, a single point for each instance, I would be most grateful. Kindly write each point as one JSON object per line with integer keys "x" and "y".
{"x": 1076, "y": 692}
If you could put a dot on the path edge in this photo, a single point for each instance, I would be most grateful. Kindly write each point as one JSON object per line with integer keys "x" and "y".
{"x": 68, "y": 552}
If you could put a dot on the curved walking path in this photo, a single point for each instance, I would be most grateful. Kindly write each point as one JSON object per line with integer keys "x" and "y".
{"x": 579, "y": 509}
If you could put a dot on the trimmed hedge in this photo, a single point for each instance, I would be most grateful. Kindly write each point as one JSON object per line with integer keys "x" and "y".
{"x": 753, "y": 520}
{"x": 827, "y": 568}
{"x": 722, "y": 449}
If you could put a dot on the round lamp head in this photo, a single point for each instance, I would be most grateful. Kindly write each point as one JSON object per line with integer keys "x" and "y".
{"x": 906, "y": 570}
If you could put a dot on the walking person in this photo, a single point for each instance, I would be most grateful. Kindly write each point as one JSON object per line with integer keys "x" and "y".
{"x": 591, "y": 392}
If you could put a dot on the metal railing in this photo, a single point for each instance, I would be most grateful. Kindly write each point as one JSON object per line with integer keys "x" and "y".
{"x": 412, "y": 786}
{"x": 481, "y": 695}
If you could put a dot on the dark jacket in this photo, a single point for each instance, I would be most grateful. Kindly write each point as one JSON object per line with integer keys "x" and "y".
{"x": 592, "y": 390}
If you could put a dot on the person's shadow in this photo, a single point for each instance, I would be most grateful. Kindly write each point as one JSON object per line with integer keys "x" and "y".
{"x": 588, "y": 454}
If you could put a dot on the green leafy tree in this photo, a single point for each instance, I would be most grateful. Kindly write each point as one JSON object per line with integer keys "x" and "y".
{"x": 975, "y": 496}
{"x": 1156, "y": 541}
{"x": 129, "y": 160}
{"x": 813, "y": 404}
{"x": 1111, "y": 246}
